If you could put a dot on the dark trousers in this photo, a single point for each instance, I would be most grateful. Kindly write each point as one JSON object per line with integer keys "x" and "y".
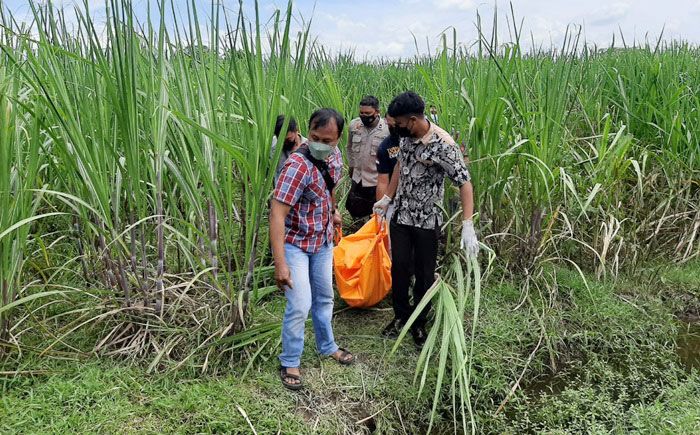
{"x": 414, "y": 250}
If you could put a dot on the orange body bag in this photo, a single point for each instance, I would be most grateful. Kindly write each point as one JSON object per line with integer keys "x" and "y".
{"x": 363, "y": 266}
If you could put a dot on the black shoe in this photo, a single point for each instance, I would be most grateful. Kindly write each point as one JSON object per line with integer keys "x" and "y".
{"x": 394, "y": 328}
{"x": 419, "y": 335}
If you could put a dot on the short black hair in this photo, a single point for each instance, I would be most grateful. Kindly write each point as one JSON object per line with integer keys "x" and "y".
{"x": 280, "y": 123}
{"x": 370, "y": 100}
{"x": 406, "y": 104}
{"x": 321, "y": 118}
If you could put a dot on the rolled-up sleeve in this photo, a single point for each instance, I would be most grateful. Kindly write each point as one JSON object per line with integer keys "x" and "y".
{"x": 451, "y": 161}
{"x": 384, "y": 165}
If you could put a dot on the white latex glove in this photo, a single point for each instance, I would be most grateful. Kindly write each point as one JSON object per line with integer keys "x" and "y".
{"x": 381, "y": 206}
{"x": 469, "y": 242}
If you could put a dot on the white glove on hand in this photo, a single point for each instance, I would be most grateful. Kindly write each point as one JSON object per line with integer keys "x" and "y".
{"x": 469, "y": 242}
{"x": 381, "y": 206}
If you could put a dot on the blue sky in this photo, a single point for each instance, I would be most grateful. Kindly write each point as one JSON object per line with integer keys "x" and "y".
{"x": 387, "y": 28}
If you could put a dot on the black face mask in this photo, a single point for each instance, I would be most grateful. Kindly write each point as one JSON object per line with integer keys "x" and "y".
{"x": 288, "y": 145}
{"x": 393, "y": 132}
{"x": 403, "y": 131}
{"x": 368, "y": 120}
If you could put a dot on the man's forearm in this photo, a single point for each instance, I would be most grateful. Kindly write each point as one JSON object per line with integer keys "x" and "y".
{"x": 382, "y": 185}
{"x": 277, "y": 232}
{"x": 466, "y": 193}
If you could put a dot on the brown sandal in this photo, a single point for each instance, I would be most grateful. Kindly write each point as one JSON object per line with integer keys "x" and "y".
{"x": 291, "y": 385}
{"x": 345, "y": 358}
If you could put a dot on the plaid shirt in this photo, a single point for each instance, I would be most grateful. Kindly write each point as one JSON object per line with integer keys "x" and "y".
{"x": 309, "y": 224}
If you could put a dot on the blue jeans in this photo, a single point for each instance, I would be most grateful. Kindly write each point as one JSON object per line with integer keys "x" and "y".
{"x": 312, "y": 278}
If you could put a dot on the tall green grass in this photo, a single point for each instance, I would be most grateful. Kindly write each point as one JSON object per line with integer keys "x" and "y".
{"x": 154, "y": 137}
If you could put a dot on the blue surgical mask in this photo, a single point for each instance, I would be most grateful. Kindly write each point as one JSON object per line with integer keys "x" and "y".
{"x": 320, "y": 151}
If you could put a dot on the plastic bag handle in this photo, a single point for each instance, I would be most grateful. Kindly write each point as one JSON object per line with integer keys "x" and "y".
{"x": 381, "y": 223}
{"x": 338, "y": 235}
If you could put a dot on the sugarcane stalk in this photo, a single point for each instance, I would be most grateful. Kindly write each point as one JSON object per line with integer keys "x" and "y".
{"x": 144, "y": 266}
{"x": 114, "y": 278}
{"x": 535, "y": 234}
{"x": 160, "y": 269}
{"x": 110, "y": 280}
{"x": 105, "y": 272}
{"x": 239, "y": 310}
{"x": 4, "y": 317}
{"x": 81, "y": 250}
{"x": 123, "y": 285}
{"x": 213, "y": 236}
{"x": 132, "y": 246}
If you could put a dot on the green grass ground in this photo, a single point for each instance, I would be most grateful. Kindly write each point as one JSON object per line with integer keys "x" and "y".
{"x": 608, "y": 363}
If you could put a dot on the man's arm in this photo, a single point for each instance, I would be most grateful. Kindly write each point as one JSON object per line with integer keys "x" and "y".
{"x": 469, "y": 241}
{"x": 394, "y": 183}
{"x": 337, "y": 217}
{"x": 384, "y": 168}
{"x": 278, "y": 213}
{"x": 466, "y": 193}
{"x": 382, "y": 205}
{"x": 382, "y": 185}
{"x": 452, "y": 162}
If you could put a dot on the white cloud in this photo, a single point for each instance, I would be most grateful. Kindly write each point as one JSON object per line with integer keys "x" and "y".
{"x": 609, "y": 14}
{"x": 544, "y": 31}
{"x": 454, "y": 4}
{"x": 695, "y": 8}
{"x": 384, "y": 50}
{"x": 375, "y": 29}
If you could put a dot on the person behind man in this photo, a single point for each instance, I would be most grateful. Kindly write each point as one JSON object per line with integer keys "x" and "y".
{"x": 292, "y": 140}
{"x": 387, "y": 155}
{"x": 433, "y": 114}
{"x": 301, "y": 234}
{"x": 365, "y": 135}
{"x": 427, "y": 154}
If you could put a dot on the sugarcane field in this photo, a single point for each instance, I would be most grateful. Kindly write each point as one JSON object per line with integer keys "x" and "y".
{"x": 302, "y": 217}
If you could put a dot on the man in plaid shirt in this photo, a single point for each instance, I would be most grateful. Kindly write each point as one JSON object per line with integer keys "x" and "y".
{"x": 302, "y": 217}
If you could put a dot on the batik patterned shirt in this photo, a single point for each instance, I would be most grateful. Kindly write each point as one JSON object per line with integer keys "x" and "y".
{"x": 424, "y": 164}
